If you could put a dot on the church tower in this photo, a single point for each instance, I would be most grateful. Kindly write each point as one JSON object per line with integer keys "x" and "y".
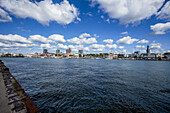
{"x": 148, "y": 50}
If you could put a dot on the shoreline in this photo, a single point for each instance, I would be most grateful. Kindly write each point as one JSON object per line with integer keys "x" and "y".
{"x": 16, "y": 99}
{"x": 93, "y": 58}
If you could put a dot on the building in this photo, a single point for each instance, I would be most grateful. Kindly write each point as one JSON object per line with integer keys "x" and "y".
{"x": 148, "y": 50}
{"x": 167, "y": 55}
{"x": 57, "y": 51}
{"x": 136, "y": 53}
{"x": 68, "y": 51}
{"x": 80, "y": 51}
{"x": 45, "y": 51}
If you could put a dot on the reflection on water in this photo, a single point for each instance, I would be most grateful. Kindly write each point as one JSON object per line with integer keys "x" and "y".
{"x": 82, "y": 85}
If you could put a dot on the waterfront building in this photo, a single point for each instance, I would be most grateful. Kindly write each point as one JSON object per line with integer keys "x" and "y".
{"x": 148, "y": 50}
{"x": 68, "y": 51}
{"x": 80, "y": 51}
{"x": 136, "y": 53}
{"x": 45, "y": 51}
{"x": 57, "y": 51}
{"x": 167, "y": 55}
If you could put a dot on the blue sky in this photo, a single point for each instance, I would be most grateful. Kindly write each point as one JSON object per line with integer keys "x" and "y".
{"x": 29, "y": 26}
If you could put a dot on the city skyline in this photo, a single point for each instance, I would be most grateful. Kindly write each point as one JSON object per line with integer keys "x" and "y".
{"x": 94, "y": 26}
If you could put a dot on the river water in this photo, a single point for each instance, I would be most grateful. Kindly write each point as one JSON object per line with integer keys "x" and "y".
{"x": 88, "y": 85}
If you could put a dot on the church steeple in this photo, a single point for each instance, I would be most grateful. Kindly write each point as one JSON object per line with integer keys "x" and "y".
{"x": 148, "y": 50}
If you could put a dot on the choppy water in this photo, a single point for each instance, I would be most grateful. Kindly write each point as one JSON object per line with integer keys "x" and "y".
{"x": 82, "y": 85}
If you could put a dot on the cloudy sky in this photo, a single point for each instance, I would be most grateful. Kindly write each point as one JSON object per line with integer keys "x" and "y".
{"x": 118, "y": 26}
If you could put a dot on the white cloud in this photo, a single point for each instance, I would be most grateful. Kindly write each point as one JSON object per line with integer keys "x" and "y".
{"x": 43, "y": 11}
{"x": 97, "y": 47}
{"x": 86, "y": 49}
{"x": 160, "y": 28}
{"x": 90, "y": 41}
{"x": 84, "y": 35}
{"x": 45, "y": 46}
{"x": 123, "y": 51}
{"x": 124, "y": 33}
{"x": 61, "y": 46}
{"x": 4, "y": 16}
{"x": 168, "y": 51}
{"x": 57, "y": 38}
{"x": 126, "y": 40}
{"x": 164, "y": 13}
{"x": 40, "y": 39}
{"x": 76, "y": 40}
{"x": 143, "y": 41}
{"x": 121, "y": 47}
{"x": 139, "y": 46}
{"x": 109, "y": 41}
{"x": 11, "y": 48}
{"x": 111, "y": 46}
{"x": 156, "y": 47}
{"x": 108, "y": 20}
{"x": 96, "y": 36}
{"x": 13, "y": 38}
{"x": 128, "y": 11}
{"x": 76, "y": 47}
{"x": 102, "y": 17}
{"x": 17, "y": 45}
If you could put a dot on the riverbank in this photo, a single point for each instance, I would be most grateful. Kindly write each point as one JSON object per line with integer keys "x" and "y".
{"x": 12, "y": 96}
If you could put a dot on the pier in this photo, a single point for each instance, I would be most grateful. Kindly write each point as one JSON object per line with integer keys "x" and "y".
{"x": 13, "y": 98}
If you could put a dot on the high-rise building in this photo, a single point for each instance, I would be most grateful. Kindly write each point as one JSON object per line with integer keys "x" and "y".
{"x": 68, "y": 51}
{"x": 80, "y": 51}
{"x": 148, "y": 50}
{"x": 57, "y": 51}
{"x": 45, "y": 51}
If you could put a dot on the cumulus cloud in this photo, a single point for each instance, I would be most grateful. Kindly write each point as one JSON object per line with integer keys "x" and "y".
{"x": 4, "y": 16}
{"x": 90, "y": 41}
{"x": 43, "y": 11}
{"x": 76, "y": 47}
{"x": 128, "y": 11}
{"x": 143, "y": 41}
{"x": 84, "y": 35}
{"x": 57, "y": 38}
{"x": 19, "y": 45}
{"x": 76, "y": 40}
{"x": 86, "y": 49}
{"x": 45, "y": 46}
{"x": 111, "y": 46}
{"x": 126, "y": 40}
{"x": 124, "y": 33}
{"x": 61, "y": 46}
{"x": 13, "y": 38}
{"x": 139, "y": 46}
{"x": 97, "y": 47}
{"x": 109, "y": 41}
{"x": 156, "y": 47}
{"x": 121, "y": 47}
{"x": 96, "y": 36}
{"x": 160, "y": 28}
{"x": 40, "y": 39}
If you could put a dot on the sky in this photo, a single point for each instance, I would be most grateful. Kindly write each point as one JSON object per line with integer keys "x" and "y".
{"x": 94, "y": 26}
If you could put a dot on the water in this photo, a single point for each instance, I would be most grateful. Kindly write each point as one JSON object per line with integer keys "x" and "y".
{"x": 86, "y": 85}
